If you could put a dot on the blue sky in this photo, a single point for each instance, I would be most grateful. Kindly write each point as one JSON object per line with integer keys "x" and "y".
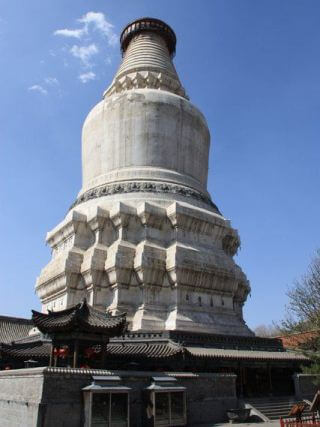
{"x": 253, "y": 69}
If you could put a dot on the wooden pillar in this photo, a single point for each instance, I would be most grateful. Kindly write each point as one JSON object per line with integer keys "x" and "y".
{"x": 103, "y": 353}
{"x": 75, "y": 353}
{"x": 270, "y": 380}
{"x": 51, "y": 355}
{"x": 241, "y": 379}
{"x": 55, "y": 358}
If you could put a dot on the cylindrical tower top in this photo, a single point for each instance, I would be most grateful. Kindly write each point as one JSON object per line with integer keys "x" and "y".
{"x": 149, "y": 24}
{"x": 148, "y": 46}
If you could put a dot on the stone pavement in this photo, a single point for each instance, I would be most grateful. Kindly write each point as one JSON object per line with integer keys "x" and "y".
{"x": 275, "y": 423}
{"x": 261, "y": 424}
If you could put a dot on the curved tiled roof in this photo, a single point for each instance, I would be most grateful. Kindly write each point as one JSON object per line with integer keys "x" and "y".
{"x": 300, "y": 339}
{"x": 158, "y": 350}
{"x": 165, "y": 349}
{"x": 219, "y": 353}
{"x": 12, "y": 328}
{"x": 81, "y": 317}
{"x": 37, "y": 350}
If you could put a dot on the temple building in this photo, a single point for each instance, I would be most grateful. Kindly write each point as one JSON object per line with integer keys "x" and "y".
{"x": 142, "y": 299}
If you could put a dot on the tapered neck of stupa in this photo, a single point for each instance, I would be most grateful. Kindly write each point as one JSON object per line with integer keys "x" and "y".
{"x": 148, "y": 46}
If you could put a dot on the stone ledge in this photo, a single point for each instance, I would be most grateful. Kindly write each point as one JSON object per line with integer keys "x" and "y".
{"x": 42, "y": 371}
{"x": 143, "y": 187}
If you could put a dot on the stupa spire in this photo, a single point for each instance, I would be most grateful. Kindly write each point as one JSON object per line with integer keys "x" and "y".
{"x": 148, "y": 46}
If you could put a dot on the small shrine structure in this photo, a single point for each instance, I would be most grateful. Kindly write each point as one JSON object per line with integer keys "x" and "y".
{"x": 78, "y": 334}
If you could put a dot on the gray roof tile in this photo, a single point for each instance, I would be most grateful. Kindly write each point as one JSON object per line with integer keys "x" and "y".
{"x": 12, "y": 328}
{"x": 244, "y": 354}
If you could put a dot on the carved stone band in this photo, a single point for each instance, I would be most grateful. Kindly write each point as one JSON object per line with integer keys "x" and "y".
{"x": 143, "y": 187}
{"x": 146, "y": 80}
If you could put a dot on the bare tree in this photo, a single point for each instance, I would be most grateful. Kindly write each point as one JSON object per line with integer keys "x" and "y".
{"x": 303, "y": 309}
{"x": 303, "y": 313}
{"x": 267, "y": 331}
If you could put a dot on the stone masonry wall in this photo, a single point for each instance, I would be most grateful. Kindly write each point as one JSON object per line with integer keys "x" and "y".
{"x": 52, "y": 397}
{"x": 20, "y": 398}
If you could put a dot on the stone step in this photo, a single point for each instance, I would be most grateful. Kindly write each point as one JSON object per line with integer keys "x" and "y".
{"x": 273, "y": 408}
{"x": 273, "y": 405}
{"x": 279, "y": 414}
{"x": 272, "y": 400}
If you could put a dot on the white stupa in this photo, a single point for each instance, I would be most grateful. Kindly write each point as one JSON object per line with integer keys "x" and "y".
{"x": 143, "y": 236}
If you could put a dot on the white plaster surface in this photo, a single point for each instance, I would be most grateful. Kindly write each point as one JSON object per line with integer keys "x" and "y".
{"x": 164, "y": 258}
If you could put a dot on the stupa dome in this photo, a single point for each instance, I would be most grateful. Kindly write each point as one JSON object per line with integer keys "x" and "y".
{"x": 145, "y": 128}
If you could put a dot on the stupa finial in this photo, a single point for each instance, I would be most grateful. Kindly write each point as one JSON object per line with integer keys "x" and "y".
{"x": 148, "y": 46}
{"x": 149, "y": 24}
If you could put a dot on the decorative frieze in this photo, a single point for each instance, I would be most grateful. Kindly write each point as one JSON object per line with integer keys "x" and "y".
{"x": 146, "y": 80}
{"x": 144, "y": 187}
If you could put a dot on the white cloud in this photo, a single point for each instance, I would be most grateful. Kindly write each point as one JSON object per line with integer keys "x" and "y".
{"x": 51, "y": 81}
{"x": 94, "y": 33}
{"x": 85, "y": 77}
{"x": 99, "y": 22}
{"x": 84, "y": 53}
{"x": 95, "y": 20}
{"x": 38, "y": 88}
{"x": 70, "y": 33}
